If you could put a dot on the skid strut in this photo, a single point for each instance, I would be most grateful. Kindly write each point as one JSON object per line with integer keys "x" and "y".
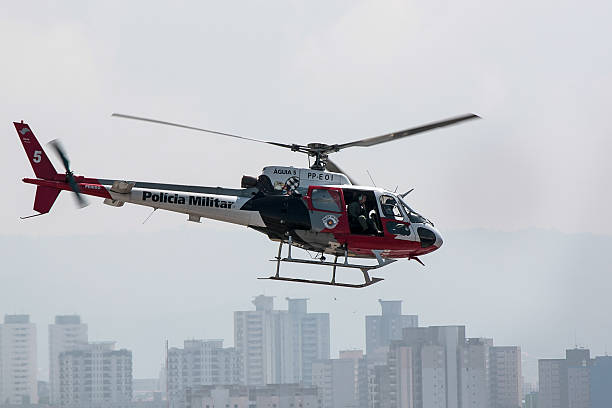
{"x": 365, "y": 269}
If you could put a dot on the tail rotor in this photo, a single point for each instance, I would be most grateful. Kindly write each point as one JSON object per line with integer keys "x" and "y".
{"x": 61, "y": 153}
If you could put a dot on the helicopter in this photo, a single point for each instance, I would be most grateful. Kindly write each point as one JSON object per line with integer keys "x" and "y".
{"x": 319, "y": 208}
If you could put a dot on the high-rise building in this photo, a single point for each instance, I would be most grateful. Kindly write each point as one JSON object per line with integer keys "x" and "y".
{"x": 400, "y": 380}
{"x": 423, "y": 369}
{"x": 475, "y": 373}
{"x": 335, "y": 381}
{"x": 18, "y": 380}
{"x": 505, "y": 377}
{"x": 201, "y": 362}
{"x": 310, "y": 340}
{"x": 438, "y": 367}
{"x": 601, "y": 382}
{"x": 96, "y": 376}
{"x": 552, "y": 381}
{"x": 379, "y": 387}
{"x": 360, "y": 375}
{"x": 67, "y": 333}
{"x": 565, "y": 383}
{"x": 383, "y": 329}
{"x": 255, "y": 340}
{"x": 342, "y": 382}
{"x": 279, "y": 346}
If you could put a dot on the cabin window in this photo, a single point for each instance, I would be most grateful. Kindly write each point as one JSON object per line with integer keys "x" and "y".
{"x": 389, "y": 208}
{"x": 398, "y": 228}
{"x": 326, "y": 200}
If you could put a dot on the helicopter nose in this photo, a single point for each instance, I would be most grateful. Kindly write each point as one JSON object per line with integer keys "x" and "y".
{"x": 429, "y": 237}
{"x": 439, "y": 240}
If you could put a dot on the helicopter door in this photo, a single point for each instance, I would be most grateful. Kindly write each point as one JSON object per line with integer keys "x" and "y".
{"x": 327, "y": 209}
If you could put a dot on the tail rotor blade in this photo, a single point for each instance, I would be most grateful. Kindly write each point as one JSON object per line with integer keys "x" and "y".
{"x": 59, "y": 150}
{"x": 81, "y": 201}
{"x": 56, "y": 145}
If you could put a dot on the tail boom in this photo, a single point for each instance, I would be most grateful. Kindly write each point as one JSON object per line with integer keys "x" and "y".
{"x": 86, "y": 186}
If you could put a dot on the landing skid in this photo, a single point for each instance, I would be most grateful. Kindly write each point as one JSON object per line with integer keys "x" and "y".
{"x": 365, "y": 269}
{"x": 318, "y": 282}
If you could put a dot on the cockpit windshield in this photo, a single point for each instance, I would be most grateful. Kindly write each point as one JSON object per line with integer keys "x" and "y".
{"x": 414, "y": 216}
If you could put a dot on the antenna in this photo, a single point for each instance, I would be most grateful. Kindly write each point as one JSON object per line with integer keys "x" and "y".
{"x": 575, "y": 339}
{"x": 149, "y": 216}
{"x": 371, "y": 179}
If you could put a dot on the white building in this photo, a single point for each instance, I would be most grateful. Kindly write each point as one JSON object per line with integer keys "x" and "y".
{"x": 279, "y": 346}
{"x": 96, "y": 376}
{"x": 18, "y": 382}
{"x": 360, "y": 375}
{"x": 475, "y": 373}
{"x": 381, "y": 330}
{"x": 423, "y": 369}
{"x": 506, "y": 378}
{"x": 68, "y": 333}
{"x": 437, "y": 367}
{"x": 565, "y": 383}
{"x": 309, "y": 338}
{"x": 335, "y": 382}
{"x": 201, "y": 362}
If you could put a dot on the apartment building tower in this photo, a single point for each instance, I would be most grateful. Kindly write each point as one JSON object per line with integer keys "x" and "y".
{"x": 279, "y": 346}
{"x": 96, "y": 376}
{"x": 67, "y": 333}
{"x": 198, "y": 363}
{"x": 565, "y": 383}
{"x": 505, "y": 377}
{"x": 18, "y": 364}
{"x": 382, "y": 329}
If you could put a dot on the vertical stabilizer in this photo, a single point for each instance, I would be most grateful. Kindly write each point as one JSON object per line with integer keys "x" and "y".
{"x": 43, "y": 168}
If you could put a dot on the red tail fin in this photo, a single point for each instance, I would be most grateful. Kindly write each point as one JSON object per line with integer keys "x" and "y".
{"x": 43, "y": 168}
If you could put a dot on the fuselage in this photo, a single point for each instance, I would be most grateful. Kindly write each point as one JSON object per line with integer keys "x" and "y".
{"x": 311, "y": 207}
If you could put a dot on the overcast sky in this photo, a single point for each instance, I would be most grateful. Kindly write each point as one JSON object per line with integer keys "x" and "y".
{"x": 539, "y": 73}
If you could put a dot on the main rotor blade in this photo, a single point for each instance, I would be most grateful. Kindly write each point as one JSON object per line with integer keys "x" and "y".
{"x": 162, "y": 122}
{"x": 333, "y": 167}
{"x": 408, "y": 132}
{"x": 59, "y": 150}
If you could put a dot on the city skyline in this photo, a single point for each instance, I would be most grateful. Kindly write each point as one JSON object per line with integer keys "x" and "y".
{"x": 43, "y": 363}
{"x": 554, "y": 327}
{"x": 472, "y": 371}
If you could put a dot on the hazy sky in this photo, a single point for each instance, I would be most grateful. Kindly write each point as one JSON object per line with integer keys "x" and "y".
{"x": 539, "y": 73}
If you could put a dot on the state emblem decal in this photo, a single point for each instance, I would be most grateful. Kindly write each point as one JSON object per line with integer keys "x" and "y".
{"x": 330, "y": 221}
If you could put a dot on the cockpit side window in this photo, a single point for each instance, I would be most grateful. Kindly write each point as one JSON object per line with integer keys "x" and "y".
{"x": 390, "y": 208}
{"x": 326, "y": 200}
{"x": 413, "y": 215}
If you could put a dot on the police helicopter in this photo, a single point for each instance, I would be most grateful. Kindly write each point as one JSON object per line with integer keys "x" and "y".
{"x": 319, "y": 208}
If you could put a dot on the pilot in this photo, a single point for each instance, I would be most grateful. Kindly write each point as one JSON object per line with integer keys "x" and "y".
{"x": 357, "y": 213}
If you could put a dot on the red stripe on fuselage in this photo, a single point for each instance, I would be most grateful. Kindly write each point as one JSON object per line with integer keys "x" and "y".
{"x": 393, "y": 247}
{"x": 87, "y": 186}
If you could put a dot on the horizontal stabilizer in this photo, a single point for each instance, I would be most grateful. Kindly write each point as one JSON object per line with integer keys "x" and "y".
{"x": 44, "y": 199}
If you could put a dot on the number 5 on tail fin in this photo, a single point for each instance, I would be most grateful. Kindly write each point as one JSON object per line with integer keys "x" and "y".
{"x": 43, "y": 168}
